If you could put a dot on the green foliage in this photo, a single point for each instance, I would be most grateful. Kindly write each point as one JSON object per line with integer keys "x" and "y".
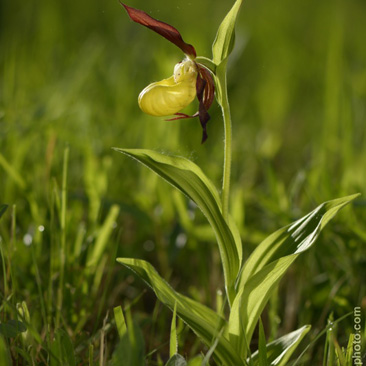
{"x": 262, "y": 349}
{"x": 267, "y": 265}
{"x": 130, "y": 349}
{"x": 173, "y": 344}
{"x": 259, "y": 277}
{"x": 4, "y": 353}
{"x": 120, "y": 321}
{"x": 103, "y": 237}
{"x": 279, "y": 351}
{"x": 189, "y": 179}
{"x": 62, "y": 352}
{"x": 202, "y": 320}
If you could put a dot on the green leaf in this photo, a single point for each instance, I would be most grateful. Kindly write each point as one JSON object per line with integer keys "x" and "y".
{"x": 4, "y": 353}
{"x": 12, "y": 328}
{"x": 251, "y": 300}
{"x": 120, "y": 321}
{"x": 196, "y": 361}
{"x": 267, "y": 265}
{"x": 173, "y": 334}
{"x": 349, "y": 350}
{"x": 262, "y": 351}
{"x": 189, "y": 179}
{"x": 131, "y": 348}
{"x": 176, "y": 360}
{"x": 279, "y": 351}
{"x": 225, "y": 37}
{"x": 202, "y": 320}
{"x": 3, "y": 208}
{"x": 62, "y": 349}
{"x": 294, "y": 238}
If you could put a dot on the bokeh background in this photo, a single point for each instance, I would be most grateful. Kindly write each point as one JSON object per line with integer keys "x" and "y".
{"x": 70, "y": 74}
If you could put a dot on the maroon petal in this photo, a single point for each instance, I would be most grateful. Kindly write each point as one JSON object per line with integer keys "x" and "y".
{"x": 164, "y": 29}
{"x": 203, "y": 115}
{"x": 209, "y": 92}
{"x": 182, "y": 116}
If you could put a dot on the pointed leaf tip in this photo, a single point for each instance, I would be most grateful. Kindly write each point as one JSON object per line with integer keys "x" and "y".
{"x": 224, "y": 41}
{"x": 164, "y": 29}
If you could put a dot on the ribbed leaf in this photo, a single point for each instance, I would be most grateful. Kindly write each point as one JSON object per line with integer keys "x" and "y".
{"x": 189, "y": 179}
{"x": 224, "y": 41}
{"x": 267, "y": 265}
{"x": 280, "y": 350}
{"x": 293, "y": 238}
{"x": 251, "y": 300}
{"x": 202, "y": 320}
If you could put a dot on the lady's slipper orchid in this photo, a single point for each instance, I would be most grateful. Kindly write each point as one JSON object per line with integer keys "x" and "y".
{"x": 190, "y": 79}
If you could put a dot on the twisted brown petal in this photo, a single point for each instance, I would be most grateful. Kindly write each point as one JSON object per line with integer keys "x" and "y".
{"x": 164, "y": 29}
{"x": 209, "y": 93}
{"x": 203, "y": 115}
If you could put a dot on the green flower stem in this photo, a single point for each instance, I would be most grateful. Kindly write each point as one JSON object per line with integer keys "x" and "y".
{"x": 219, "y": 72}
{"x": 227, "y": 158}
{"x": 225, "y": 107}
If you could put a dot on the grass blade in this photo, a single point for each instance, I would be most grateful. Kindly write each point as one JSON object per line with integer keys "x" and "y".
{"x": 173, "y": 334}
{"x": 4, "y": 353}
{"x": 120, "y": 321}
{"x": 279, "y": 351}
{"x": 262, "y": 352}
{"x": 103, "y": 236}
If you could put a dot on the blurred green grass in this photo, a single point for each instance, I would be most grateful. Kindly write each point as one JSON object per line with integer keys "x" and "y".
{"x": 70, "y": 76}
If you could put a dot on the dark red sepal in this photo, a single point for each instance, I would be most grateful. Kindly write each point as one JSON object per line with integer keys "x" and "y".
{"x": 164, "y": 29}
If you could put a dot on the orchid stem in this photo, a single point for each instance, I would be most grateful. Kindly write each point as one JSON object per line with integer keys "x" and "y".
{"x": 221, "y": 75}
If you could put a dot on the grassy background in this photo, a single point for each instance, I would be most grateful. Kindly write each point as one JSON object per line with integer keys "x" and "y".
{"x": 70, "y": 76}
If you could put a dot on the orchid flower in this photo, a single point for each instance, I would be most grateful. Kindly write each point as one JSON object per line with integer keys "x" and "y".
{"x": 189, "y": 80}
